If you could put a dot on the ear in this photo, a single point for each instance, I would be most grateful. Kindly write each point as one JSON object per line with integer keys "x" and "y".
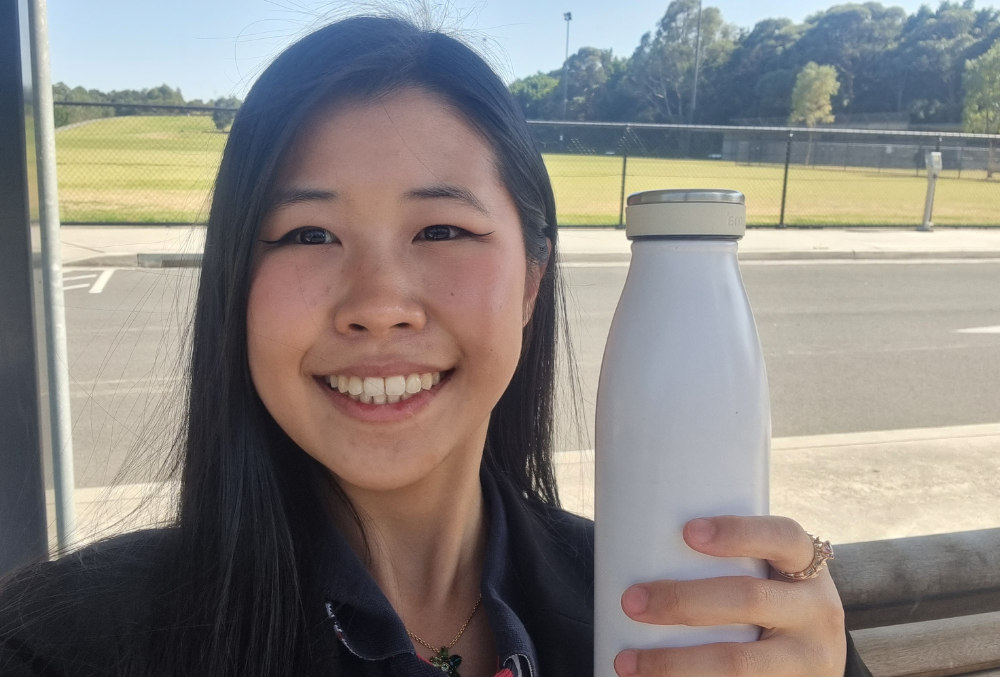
{"x": 533, "y": 282}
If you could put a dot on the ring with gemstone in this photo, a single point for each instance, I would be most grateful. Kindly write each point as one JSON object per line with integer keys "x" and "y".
{"x": 822, "y": 551}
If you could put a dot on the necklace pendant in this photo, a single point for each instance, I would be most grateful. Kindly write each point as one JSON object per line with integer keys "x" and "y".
{"x": 445, "y": 663}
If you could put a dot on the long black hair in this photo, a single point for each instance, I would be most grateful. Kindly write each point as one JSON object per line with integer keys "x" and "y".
{"x": 235, "y": 605}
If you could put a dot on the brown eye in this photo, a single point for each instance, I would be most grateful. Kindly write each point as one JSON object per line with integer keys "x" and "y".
{"x": 313, "y": 236}
{"x": 441, "y": 232}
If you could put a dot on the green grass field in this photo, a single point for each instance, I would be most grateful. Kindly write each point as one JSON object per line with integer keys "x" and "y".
{"x": 160, "y": 169}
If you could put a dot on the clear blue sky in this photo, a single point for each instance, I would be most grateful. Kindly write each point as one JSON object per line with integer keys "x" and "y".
{"x": 212, "y": 48}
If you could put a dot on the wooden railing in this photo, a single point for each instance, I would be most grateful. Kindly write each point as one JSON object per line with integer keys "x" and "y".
{"x": 927, "y": 606}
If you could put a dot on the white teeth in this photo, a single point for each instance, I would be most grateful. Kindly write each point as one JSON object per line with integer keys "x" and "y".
{"x": 374, "y": 385}
{"x": 389, "y": 390}
{"x": 355, "y": 386}
{"x": 413, "y": 385}
{"x": 395, "y": 385}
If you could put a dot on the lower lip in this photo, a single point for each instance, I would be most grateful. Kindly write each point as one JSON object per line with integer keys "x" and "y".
{"x": 384, "y": 413}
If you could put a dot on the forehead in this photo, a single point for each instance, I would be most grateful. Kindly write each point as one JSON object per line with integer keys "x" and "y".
{"x": 406, "y": 138}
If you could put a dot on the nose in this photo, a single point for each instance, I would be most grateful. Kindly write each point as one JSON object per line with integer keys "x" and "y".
{"x": 380, "y": 298}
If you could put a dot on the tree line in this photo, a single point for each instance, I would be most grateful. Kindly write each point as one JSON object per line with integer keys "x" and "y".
{"x": 884, "y": 60}
{"x": 121, "y": 102}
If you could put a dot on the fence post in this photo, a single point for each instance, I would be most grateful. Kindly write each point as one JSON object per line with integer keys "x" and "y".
{"x": 784, "y": 185}
{"x": 621, "y": 201}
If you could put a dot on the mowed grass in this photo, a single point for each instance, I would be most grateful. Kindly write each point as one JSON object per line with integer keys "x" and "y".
{"x": 160, "y": 169}
{"x": 588, "y": 191}
{"x": 139, "y": 168}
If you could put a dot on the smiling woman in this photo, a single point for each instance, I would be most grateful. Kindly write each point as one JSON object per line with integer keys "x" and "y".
{"x": 367, "y": 483}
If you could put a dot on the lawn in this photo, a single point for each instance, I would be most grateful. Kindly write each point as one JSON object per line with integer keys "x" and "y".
{"x": 160, "y": 169}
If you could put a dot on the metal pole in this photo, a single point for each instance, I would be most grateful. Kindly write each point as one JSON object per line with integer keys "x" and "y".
{"x": 55, "y": 308}
{"x": 568, "y": 16}
{"x": 784, "y": 185}
{"x": 933, "y": 162}
{"x": 697, "y": 64}
{"x": 621, "y": 201}
{"x": 23, "y": 532}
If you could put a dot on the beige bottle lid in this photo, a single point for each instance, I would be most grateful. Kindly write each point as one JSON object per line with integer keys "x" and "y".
{"x": 686, "y": 212}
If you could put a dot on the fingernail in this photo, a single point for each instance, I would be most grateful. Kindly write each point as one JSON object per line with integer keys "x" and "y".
{"x": 635, "y": 600}
{"x": 701, "y": 530}
{"x": 627, "y": 663}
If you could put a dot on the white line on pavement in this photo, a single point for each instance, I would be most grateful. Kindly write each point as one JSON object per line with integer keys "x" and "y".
{"x": 799, "y": 262}
{"x": 102, "y": 280}
{"x": 79, "y": 277}
{"x": 76, "y": 286}
{"x": 979, "y": 330}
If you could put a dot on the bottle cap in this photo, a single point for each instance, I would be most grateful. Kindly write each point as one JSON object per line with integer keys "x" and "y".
{"x": 686, "y": 213}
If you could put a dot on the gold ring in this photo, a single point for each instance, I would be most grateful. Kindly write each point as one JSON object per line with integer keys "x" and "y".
{"x": 822, "y": 551}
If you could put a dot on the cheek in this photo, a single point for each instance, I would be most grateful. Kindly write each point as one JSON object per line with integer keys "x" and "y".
{"x": 480, "y": 298}
{"x": 285, "y": 315}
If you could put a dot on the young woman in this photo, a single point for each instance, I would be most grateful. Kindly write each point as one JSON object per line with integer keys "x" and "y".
{"x": 367, "y": 484}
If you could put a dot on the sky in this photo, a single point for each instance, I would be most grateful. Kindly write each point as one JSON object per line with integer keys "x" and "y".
{"x": 212, "y": 48}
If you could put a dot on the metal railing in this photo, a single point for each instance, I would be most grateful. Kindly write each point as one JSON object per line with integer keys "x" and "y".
{"x": 155, "y": 164}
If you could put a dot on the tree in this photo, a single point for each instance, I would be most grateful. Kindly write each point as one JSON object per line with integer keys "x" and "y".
{"x": 815, "y": 85}
{"x": 981, "y": 112}
{"x": 662, "y": 66}
{"x": 852, "y": 38}
{"x": 534, "y": 93}
{"x": 224, "y": 118}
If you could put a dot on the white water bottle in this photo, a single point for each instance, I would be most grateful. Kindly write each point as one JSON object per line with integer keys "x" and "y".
{"x": 683, "y": 414}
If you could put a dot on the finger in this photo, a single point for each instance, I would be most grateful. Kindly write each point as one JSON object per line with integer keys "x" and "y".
{"x": 779, "y": 540}
{"x": 775, "y": 657}
{"x": 721, "y": 601}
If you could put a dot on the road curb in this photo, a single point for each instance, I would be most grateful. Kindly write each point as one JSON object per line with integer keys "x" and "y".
{"x": 193, "y": 260}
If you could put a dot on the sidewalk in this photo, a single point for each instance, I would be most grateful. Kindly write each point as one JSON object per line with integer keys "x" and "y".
{"x": 171, "y": 246}
{"x": 858, "y": 487}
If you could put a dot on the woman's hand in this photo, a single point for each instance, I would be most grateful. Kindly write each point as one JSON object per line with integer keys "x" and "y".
{"x": 803, "y": 621}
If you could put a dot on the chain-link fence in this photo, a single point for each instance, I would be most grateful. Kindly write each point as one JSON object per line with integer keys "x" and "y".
{"x": 158, "y": 167}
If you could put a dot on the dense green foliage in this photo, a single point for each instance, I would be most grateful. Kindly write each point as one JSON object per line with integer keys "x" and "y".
{"x": 885, "y": 60}
{"x": 982, "y": 93}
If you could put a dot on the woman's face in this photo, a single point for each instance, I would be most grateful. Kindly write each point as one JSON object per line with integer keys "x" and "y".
{"x": 397, "y": 254}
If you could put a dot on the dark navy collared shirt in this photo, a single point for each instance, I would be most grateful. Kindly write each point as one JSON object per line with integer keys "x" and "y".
{"x": 371, "y": 631}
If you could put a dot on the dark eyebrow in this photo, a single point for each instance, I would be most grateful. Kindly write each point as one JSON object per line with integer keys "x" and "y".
{"x": 292, "y": 196}
{"x": 450, "y": 193}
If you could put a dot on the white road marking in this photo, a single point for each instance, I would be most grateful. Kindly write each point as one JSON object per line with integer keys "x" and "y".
{"x": 799, "y": 262}
{"x": 979, "y": 330}
{"x": 102, "y": 280}
{"x": 79, "y": 277}
{"x": 76, "y": 286}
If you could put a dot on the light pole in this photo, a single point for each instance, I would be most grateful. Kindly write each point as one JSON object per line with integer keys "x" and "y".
{"x": 697, "y": 65}
{"x": 568, "y": 16}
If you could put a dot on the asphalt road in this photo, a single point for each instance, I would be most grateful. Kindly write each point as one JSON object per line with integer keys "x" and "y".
{"x": 849, "y": 347}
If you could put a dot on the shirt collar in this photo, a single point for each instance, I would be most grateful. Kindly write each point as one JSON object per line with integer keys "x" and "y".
{"x": 368, "y": 626}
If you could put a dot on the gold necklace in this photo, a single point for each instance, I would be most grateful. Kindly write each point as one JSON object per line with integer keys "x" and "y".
{"x": 448, "y": 664}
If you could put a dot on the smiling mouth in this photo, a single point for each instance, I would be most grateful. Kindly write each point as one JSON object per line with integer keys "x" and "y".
{"x": 388, "y": 390}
